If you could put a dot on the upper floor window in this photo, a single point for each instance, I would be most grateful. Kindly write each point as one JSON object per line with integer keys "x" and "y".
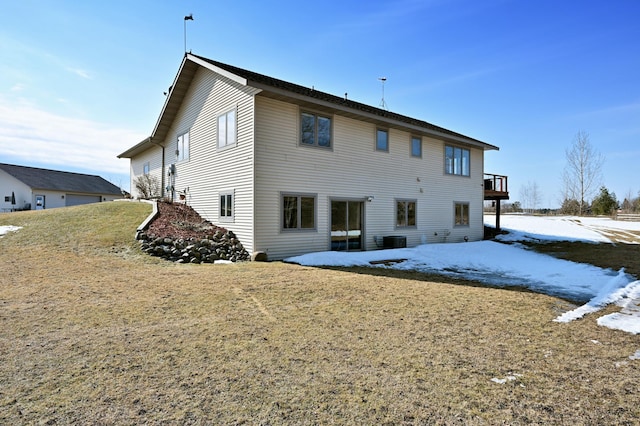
{"x": 146, "y": 168}
{"x": 227, "y": 129}
{"x": 182, "y": 148}
{"x": 315, "y": 130}
{"x": 416, "y": 146}
{"x": 382, "y": 140}
{"x": 456, "y": 160}
{"x": 405, "y": 213}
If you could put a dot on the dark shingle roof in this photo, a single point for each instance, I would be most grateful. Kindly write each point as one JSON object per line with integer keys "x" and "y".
{"x": 55, "y": 180}
{"x": 275, "y": 83}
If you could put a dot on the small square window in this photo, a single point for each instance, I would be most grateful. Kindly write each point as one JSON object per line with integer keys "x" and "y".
{"x": 416, "y": 146}
{"x": 382, "y": 140}
{"x": 226, "y": 206}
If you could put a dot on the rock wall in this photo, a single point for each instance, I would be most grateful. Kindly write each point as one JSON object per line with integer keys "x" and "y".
{"x": 219, "y": 246}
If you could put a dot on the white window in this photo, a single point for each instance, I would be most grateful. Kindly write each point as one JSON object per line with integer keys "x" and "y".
{"x": 227, "y": 129}
{"x": 182, "y": 149}
{"x": 382, "y": 140}
{"x": 226, "y": 206}
{"x": 145, "y": 168}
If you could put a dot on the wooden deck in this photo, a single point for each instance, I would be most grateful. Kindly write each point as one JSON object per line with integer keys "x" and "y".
{"x": 495, "y": 187}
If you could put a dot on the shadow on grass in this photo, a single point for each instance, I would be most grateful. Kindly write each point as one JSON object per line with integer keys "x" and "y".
{"x": 434, "y": 279}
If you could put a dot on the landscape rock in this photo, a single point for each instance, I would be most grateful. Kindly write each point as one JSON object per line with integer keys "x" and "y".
{"x": 180, "y": 235}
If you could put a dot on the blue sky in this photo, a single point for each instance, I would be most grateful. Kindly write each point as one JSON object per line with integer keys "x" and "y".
{"x": 80, "y": 82}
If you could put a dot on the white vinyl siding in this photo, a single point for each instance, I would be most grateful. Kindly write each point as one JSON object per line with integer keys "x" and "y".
{"x": 209, "y": 169}
{"x": 153, "y": 159}
{"x": 352, "y": 170}
{"x": 269, "y": 160}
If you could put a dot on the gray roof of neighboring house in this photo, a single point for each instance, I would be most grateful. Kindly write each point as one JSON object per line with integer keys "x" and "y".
{"x": 290, "y": 92}
{"x": 55, "y": 180}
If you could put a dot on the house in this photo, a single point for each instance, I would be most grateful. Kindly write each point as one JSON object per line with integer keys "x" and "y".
{"x": 291, "y": 170}
{"x": 31, "y": 188}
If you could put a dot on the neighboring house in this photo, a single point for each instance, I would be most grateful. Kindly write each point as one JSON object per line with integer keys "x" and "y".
{"x": 30, "y": 188}
{"x": 292, "y": 170}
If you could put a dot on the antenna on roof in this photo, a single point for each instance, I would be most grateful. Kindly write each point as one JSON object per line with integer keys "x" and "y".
{"x": 189, "y": 17}
{"x": 383, "y": 104}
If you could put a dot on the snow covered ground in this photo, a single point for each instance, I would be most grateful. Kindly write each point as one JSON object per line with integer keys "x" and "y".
{"x": 483, "y": 261}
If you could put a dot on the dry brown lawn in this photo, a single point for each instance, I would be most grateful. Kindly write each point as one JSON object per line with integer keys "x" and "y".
{"x": 94, "y": 332}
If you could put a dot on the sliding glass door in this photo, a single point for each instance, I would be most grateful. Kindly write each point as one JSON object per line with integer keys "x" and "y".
{"x": 346, "y": 225}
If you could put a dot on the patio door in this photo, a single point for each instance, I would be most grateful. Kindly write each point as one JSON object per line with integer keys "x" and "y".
{"x": 347, "y": 218}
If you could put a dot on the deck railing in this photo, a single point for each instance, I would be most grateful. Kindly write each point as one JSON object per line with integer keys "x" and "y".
{"x": 497, "y": 183}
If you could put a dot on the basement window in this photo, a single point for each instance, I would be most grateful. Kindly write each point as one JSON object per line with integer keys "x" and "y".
{"x": 226, "y": 206}
{"x": 461, "y": 215}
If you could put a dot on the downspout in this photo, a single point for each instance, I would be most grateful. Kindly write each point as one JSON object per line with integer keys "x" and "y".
{"x": 162, "y": 167}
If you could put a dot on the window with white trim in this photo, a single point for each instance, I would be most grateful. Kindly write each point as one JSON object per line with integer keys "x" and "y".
{"x": 298, "y": 212}
{"x": 406, "y": 213}
{"x": 315, "y": 130}
{"x": 182, "y": 148}
{"x": 227, "y": 129}
{"x": 461, "y": 214}
{"x": 456, "y": 160}
{"x": 226, "y": 206}
{"x": 146, "y": 168}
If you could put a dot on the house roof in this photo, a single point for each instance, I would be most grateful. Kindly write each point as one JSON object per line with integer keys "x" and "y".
{"x": 290, "y": 92}
{"x": 55, "y": 180}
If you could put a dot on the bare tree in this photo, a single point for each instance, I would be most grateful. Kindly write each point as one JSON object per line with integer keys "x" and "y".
{"x": 531, "y": 196}
{"x": 583, "y": 173}
{"x": 147, "y": 186}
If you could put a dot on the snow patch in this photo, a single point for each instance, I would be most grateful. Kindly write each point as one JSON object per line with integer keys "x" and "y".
{"x": 506, "y": 265}
{"x": 8, "y": 228}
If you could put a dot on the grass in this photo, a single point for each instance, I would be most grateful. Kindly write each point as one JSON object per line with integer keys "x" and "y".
{"x": 94, "y": 332}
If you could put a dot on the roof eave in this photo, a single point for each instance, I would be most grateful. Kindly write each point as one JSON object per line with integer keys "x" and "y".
{"x": 136, "y": 149}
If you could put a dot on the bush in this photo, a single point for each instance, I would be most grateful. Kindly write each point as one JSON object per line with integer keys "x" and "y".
{"x": 147, "y": 186}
